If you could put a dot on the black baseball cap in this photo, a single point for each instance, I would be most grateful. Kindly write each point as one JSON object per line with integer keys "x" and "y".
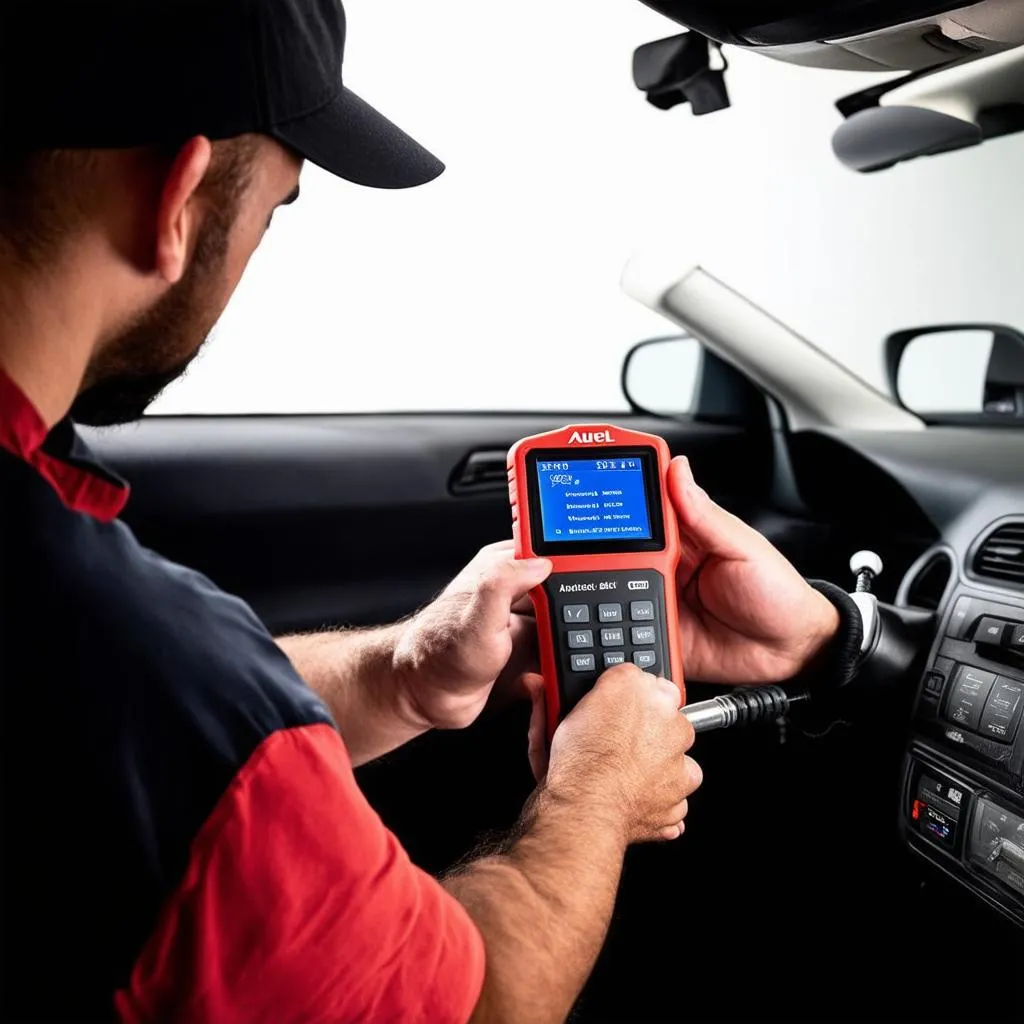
{"x": 121, "y": 73}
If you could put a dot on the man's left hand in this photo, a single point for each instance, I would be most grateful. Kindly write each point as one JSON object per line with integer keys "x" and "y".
{"x": 449, "y": 656}
{"x": 747, "y": 616}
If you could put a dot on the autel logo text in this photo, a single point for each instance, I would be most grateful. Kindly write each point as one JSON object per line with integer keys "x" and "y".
{"x": 591, "y": 437}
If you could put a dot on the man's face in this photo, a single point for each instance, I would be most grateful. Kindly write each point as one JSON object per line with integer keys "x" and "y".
{"x": 134, "y": 365}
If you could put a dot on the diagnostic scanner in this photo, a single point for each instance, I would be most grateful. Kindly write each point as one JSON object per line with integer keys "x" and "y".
{"x": 593, "y": 498}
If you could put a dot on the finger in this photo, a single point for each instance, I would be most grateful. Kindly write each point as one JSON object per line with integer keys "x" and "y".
{"x": 670, "y": 832}
{"x": 694, "y": 776}
{"x": 525, "y": 654}
{"x": 497, "y": 568}
{"x": 493, "y": 582}
{"x": 707, "y": 526}
{"x": 677, "y": 813}
{"x": 524, "y": 606}
{"x": 671, "y": 692}
{"x": 687, "y": 733}
{"x": 537, "y": 746}
{"x": 523, "y": 659}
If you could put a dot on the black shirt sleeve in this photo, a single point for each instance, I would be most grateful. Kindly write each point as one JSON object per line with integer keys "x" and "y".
{"x": 840, "y": 661}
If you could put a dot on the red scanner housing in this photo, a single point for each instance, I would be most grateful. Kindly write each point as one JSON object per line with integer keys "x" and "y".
{"x": 610, "y": 597}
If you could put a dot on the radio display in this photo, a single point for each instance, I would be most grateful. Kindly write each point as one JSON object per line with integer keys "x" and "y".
{"x": 585, "y": 500}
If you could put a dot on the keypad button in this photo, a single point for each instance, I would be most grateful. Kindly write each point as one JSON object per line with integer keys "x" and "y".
{"x": 609, "y": 613}
{"x": 584, "y": 663}
{"x": 614, "y": 658}
{"x": 643, "y": 635}
{"x": 573, "y": 613}
{"x": 641, "y": 611}
{"x": 612, "y": 637}
{"x": 581, "y": 638}
{"x": 645, "y": 659}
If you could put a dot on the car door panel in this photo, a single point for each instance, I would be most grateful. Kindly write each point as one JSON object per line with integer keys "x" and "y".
{"x": 349, "y": 520}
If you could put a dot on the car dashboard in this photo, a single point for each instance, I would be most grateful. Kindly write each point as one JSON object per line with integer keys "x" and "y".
{"x": 962, "y": 792}
{"x": 963, "y": 778}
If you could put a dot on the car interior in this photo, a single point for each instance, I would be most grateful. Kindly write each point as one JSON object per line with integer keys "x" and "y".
{"x": 859, "y": 859}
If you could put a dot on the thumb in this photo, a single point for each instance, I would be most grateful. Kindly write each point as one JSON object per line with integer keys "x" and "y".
{"x": 525, "y": 574}
{"x": 498, "y": 582}
{"x": 707, "y": 526}
{"x": 537, "y": 743}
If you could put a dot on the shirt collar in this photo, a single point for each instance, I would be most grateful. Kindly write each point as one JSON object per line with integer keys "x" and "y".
{"x": 59, "y": 455}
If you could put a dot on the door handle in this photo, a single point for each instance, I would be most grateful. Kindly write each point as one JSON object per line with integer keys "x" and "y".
{"x": 480, "y": 471}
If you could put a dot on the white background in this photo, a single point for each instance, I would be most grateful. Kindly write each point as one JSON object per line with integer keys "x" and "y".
{"x": 496, "y": 287}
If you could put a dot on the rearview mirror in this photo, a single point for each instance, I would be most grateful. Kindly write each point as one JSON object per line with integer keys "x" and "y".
{"x": 879, "y": 137}
{"x": 660, "y": 376}
{"x": 958, "y": 369}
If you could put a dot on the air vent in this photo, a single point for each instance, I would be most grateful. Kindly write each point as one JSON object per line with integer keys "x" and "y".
{"x": 926, "y": 581}
{"x": 1000, "y": 556}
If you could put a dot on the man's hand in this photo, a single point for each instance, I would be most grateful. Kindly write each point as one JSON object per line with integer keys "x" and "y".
{"x": 449, "y": 655}
{"x": 619, "y": 774}
{"x": 620, "y": 756}
{"x": 747, "y": 616}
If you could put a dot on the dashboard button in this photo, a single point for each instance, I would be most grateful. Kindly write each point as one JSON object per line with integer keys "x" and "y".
{"x": 990, "y": 631}
{"x": 1015, "y": 639}
{"x": 1002, "y": 712}
{"x": 935, "y": 680}
{"x": 967, "y": 699}
{"x": 962, "y": 617}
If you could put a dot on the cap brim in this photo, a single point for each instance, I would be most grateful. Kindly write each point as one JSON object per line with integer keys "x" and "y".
{"x": 350, "y": 139}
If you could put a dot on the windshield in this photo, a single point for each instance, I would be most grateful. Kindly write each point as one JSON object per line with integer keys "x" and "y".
{"x": 558, "y": 170}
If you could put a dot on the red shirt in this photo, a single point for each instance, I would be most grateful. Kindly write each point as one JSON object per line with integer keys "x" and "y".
{"x": 185, "y": 840}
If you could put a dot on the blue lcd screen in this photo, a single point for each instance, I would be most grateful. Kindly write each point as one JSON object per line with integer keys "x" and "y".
{"x": 593, "y": 499}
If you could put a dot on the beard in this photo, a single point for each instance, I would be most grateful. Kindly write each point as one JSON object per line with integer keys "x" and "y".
{"x": 134, "y": 366}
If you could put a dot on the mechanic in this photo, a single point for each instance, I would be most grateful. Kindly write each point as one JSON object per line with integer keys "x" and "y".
{"x": 184, "y": 837}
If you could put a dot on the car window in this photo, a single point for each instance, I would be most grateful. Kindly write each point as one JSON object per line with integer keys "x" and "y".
{"x": 497, "y": 286}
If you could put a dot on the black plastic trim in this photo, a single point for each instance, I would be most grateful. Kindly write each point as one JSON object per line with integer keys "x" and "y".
{"x": 923, "y": 564}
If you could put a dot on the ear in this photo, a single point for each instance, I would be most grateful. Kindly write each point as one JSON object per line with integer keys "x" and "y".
{"x": 177, "y": 216}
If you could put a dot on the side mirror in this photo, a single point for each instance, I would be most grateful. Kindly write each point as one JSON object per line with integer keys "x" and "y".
{"x": 958, "y": 369}
{"x": 660, "y": 376}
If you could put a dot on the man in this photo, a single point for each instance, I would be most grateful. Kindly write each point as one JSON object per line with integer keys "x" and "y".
{"x": 184, "y": 839}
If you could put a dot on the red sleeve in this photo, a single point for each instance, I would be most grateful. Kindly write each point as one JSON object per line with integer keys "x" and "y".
{"x": 299, "y": 905}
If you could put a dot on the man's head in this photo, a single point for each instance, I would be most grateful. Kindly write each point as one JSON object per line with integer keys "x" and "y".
{"x": 168, "y": 231}
{"x": 166, "y": 183}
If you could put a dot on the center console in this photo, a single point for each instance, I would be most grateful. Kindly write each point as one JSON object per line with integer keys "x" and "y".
{"x": 963, "y": 782}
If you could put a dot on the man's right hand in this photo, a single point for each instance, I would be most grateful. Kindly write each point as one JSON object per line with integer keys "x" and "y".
{"x": 618, "y": 774}
{"x": 620, "y": 756}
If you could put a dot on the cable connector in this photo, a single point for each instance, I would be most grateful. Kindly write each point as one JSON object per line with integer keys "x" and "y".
{"x": 746, "y": 706}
